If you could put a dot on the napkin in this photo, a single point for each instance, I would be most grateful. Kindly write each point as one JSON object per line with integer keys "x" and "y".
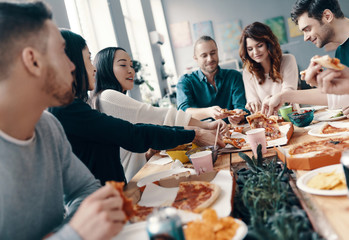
{"x": 162, "y": 161}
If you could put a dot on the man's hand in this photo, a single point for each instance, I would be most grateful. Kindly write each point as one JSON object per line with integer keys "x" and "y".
{"x": 215, "y": 112}
{"x": 334, "y": 81}
{"x": 271, "y": 105}
{"x": 253, "y": 107}
{"x": 235, "y": 119}
{"x": 311, "y": 73}
{"x": 205, "y": 137}
{"x": 100, "y": 215}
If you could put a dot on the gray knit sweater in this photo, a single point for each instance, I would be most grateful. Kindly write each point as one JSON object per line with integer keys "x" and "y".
{"x": 38, "y": 179}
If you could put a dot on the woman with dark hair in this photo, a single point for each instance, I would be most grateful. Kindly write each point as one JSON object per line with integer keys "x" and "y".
{"x": 96, "y": 138}
{"x": 266, "y": 70}
{"x": 115, "y": 75}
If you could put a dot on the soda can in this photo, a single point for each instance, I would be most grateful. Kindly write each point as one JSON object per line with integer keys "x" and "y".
{"x": 165, "y": 224}
{"x": 345, "y": 164}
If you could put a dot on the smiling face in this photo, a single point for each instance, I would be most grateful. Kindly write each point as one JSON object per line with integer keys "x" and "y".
{"x": 206, "y": 55}
{"x": 319, "y": 33}
{"x": 90, "y": 69}
{"x": 257, "y": 51}
{"x": 123, "y": 70}
{"x": 59, "y": 68}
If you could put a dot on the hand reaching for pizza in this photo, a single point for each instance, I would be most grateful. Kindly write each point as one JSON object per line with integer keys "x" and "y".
{"x": 215, "y": 112}
{"x": 205, "y": 137}
{"x": 334, "y": 81}
{"x": 235, "y": 119}
{"x": 253, "y": 107}
{"x": 271, "y": 104}
{"x": 223, "y": 127}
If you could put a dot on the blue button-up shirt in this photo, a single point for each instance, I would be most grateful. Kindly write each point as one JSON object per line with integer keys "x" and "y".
{"x": 194, "y": 91}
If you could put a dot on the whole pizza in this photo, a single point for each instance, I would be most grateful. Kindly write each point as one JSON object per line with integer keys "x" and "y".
{"x": 322, "y": 147}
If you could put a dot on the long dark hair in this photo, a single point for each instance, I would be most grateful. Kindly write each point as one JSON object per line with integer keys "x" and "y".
{"x": 74, "y": 46}
{"x": 261, "y": 33}
{"x": 105, "y": 77}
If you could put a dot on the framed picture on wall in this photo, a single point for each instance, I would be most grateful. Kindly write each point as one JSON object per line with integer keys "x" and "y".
{"x": 277, "y": 25}
{"x": 203, "y": 28}
{"x": 229, "y": 35}
{"x": 293, "y": 28}
{"x": 180, "y": 34}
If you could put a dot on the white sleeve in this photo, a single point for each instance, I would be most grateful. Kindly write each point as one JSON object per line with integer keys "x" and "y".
{"x": 122, "y": 106}
{"x": 250, "y": 90}
{"x": 289, "y": 71}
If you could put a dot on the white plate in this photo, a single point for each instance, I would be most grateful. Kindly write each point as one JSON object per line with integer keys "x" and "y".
{"x": 159, "y": 175}
{"x": 316, "y": 108}
{"x": 327, "y": 116}
{"x": 138, "y": 231}
{"x": 316, "y": 131}
{"x": 303, "y": 180}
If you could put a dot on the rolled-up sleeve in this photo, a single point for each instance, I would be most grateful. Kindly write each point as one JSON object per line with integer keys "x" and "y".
{"x": 185, "y": 94}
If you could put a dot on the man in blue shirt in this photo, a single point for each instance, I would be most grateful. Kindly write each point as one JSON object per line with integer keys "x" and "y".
{"x": 206, "y": 91}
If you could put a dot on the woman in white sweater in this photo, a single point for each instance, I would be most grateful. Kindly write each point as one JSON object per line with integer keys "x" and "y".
{"x": 115, "y": 75}
{"x": 266, "y": 70}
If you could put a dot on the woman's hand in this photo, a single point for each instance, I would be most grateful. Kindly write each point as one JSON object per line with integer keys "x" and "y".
{"x": 253, "y": 107}
{"x": 223, "y": 127}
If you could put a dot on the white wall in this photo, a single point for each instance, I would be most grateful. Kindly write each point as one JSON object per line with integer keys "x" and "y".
{"x": 60, "y": 16}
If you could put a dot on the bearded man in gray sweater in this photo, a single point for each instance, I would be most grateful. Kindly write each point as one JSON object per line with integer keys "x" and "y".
{"x": 42, "y": 183}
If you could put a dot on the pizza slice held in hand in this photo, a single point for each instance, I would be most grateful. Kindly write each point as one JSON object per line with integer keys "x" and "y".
{"x": 234, "y": 112}
{"x": 127, "y": 206}
{"x": 328, "y": 62}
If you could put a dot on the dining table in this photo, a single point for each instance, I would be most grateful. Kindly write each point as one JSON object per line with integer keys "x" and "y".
{"x": 329, "y": 215}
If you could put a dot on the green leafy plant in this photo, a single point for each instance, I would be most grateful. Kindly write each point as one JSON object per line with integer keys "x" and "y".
{"x": 265, "y": 201}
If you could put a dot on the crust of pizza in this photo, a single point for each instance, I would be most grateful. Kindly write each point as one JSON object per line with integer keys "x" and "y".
{"x": 127, "y": 205}
{"x": 328, "y": 62}
{"x": 329, "y": 129}
{"x": 196, "y": 196}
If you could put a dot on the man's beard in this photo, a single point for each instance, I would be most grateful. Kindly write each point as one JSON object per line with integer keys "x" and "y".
{"x": 211, "y": 69}
{"x": 53, "y": 88}
{"x": 327, "y": 35}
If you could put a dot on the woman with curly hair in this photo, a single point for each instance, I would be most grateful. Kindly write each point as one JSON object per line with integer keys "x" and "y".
{"x": 266, "y": 70}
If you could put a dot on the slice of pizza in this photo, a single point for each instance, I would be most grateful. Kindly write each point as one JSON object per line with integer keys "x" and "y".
{"x": 196, "y": 196}
{"x": 329, "y": 129}
{"x": 127, "y": 206}
{"x": 236, "y": 142}
{"x": 234, "y": 112}
{"x": 235, "y": 128}
{"x": 271, "y": 126}
{"x": 141, "y": 213}
{"x": 328, "y": 62}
